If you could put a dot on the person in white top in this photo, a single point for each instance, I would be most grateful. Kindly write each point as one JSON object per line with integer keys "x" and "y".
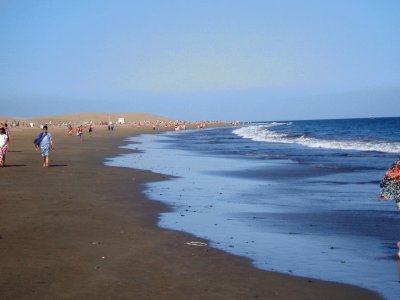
{"x": 3, "y": 145}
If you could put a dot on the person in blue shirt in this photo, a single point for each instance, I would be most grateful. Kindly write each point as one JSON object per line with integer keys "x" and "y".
{"x": 45, "y": 145}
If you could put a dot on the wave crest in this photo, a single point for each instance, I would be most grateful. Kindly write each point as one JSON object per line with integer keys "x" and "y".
{"x": 263, "y": 133}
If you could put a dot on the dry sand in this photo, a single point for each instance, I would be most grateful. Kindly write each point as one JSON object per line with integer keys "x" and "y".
{"x": 80, "y": 230}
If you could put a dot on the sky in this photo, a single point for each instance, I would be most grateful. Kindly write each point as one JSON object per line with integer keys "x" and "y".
{"x": 201, "y": 59}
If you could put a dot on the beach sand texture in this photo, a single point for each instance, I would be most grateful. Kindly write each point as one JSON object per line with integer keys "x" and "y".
{"x": 80, "y": 230}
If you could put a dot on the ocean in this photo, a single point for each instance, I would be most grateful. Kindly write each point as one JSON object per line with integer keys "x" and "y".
{"x": 297, "y": 197}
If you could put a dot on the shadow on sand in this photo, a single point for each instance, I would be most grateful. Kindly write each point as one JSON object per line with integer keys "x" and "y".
{"x": 12, "y": 166}
{"x": 55, "y": 166}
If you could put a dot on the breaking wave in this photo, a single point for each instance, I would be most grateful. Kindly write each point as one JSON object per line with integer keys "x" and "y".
{"x": 263, "y": 133}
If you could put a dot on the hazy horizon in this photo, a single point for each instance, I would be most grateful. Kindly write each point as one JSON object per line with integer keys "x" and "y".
{"x": 115, "y": 114}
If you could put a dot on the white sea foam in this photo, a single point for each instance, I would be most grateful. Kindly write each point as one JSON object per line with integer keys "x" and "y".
{"x": 263, "y": 133}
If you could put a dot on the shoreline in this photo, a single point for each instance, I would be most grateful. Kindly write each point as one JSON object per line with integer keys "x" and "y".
{"x": 81, "y": 229}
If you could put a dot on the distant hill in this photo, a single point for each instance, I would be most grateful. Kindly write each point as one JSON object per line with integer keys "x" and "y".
{"x": 10, "y": 119}
{"x": 94, "y": 117}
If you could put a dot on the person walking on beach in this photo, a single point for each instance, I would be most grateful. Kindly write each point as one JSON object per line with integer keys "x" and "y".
{"x": 6, "y": 147}
{"x": 3, "y": 145}
{"x": 70, "y": 130}
{"x": 7, "y": 131}
{"x": 79, "y": 132}
{"x": 45, "y": 142}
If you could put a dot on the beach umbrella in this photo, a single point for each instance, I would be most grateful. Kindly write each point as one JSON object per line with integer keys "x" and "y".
{"x": 390, "y": 184}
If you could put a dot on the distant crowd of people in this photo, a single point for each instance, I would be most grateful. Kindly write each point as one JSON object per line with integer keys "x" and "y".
{"x": 44, "y": 141}
{"x": 79, "y": 130}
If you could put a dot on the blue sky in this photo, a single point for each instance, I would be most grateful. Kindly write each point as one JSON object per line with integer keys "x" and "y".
{"x": 204, "y": 59}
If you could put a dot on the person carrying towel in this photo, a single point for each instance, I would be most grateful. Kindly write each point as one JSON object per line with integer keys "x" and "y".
{"x": 45, "y": 142}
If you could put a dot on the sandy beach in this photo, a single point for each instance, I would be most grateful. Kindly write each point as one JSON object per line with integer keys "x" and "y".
{"x": 81, "y": 230}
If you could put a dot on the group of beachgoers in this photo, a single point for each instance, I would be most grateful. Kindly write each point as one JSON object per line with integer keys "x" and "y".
{"x": 79, "y": 130}
{"x": 43, "y": 142}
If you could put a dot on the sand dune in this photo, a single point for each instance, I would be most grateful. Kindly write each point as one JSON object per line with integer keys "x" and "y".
{"x": 95, "y": 117}
{"x": 10, "y": 119}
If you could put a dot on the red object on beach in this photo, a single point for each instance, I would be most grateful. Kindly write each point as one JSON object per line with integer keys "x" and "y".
{"x": 390, "y": 184}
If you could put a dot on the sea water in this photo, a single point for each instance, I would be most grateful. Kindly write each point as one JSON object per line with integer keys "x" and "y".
{"x": 298, "y": 197}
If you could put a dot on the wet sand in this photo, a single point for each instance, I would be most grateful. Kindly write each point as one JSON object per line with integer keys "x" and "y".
{"x": 80, "y": 230}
